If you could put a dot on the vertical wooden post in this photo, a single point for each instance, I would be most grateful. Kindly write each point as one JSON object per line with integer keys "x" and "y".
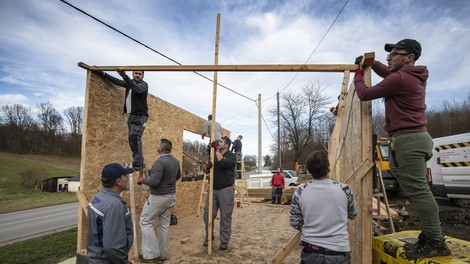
{"x": 82, "y": 221}
{"x": 214, "y": 104}
{"x": 366, "y": 112}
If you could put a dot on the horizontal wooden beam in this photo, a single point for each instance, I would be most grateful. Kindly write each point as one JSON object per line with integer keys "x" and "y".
{"x": 232, "y": 68}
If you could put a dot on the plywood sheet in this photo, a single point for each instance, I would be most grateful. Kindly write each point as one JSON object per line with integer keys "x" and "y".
{"x": 105, "y": 141}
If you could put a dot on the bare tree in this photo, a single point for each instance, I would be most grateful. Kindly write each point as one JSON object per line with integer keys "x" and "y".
{"x": 49, "y": 119}
{"x": 378, "y": 118}
{"x": 302, "y": 116}
{"x": 74, "y": 117}
{"x": 18, "y": 121}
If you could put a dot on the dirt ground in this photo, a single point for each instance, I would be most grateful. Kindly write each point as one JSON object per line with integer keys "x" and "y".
{"x": 259, "y": 231}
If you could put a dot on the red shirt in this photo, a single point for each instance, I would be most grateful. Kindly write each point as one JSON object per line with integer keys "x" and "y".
{"x": 277, "y": 180}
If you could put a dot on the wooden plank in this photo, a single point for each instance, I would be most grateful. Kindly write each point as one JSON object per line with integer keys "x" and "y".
{"x": 213, "y": 127}
{"x": 83, "y": 202}
{"x": 366, "y": 120}
{"x": 232, "y": 68}
{"x": 82, "y": 221}
{"x": 285, "y": 251}
{"x": 135, "y": 246}
{"x": 393, "y": 215}
{"x": 368, "y": 59}
{"x": 360, "y": 172}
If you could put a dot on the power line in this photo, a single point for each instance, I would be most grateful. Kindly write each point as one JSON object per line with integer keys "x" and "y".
{"x": 315, "y": 49}
{"x": 148, "y": 47}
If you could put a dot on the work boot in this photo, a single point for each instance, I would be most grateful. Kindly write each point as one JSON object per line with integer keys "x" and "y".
{"x": 430, "y": 247}
{"x": 410, "y": 246}
{"x": 223, "y": 246}
{"x": 206, "y": 242}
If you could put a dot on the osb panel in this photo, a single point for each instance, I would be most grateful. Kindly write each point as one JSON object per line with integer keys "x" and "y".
{"x": 348, "y": 149}
{"x": 105, "y": 141}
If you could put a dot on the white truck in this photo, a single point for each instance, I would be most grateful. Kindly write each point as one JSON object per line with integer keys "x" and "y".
{"x": 449, "y": 168}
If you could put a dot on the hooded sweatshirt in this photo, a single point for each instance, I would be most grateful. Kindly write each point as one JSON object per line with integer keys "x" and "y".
{"x": 404, "y": 94}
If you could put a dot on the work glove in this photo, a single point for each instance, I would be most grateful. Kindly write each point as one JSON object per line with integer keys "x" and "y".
{"x": 139, "y": 181}
{"x": 359, "y": 73}
{"x": 215, "y": 145}
{"x": 208, "y": 167}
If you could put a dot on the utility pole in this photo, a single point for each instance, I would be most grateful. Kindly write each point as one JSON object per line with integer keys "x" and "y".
{"x": 260, "y": 141}
{"x": 279, "y": 131}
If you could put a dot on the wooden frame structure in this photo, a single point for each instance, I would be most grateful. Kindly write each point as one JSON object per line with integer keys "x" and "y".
{"x": 105, "y": 131}
{"x": 350, "y": 146}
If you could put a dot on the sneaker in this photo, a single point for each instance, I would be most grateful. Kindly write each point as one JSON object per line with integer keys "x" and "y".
{"x": 430, "y": 247}
{"x": 410, "y": 246}
{"x": 223, "y": 246}
{"x": 142, "y": 259}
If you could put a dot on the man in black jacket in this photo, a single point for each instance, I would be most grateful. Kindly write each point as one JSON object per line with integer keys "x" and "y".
{"x": 135, "y": 104}
{"x": 223, "y": 195}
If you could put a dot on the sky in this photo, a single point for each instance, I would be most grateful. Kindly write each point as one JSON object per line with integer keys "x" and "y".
{"x": 41, "y": 43}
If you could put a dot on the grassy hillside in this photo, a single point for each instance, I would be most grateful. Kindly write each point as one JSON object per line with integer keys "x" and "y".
{"x": 18, "y": 174}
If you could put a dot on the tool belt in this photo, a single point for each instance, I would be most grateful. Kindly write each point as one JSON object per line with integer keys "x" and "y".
{"x": 309, "y": 248}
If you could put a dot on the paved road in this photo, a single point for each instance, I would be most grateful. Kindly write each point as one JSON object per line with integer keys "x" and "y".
{"x": 23, "y": 225}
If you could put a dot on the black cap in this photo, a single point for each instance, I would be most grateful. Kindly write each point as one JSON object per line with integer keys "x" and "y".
{"x": 113, "y": 171}
{"x": 410, "y": 45}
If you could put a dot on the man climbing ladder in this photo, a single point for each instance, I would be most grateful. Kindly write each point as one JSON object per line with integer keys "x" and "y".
{"x": 135, "y": 104}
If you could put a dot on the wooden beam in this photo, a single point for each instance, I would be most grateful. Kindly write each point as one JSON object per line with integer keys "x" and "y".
{"x": 83, "y": 202}
{"x": 232, "y": 68}
{"x": 368, "y": 59}
{"x": 360, "y": 172}
{"x": 213, "y": 127}
{"x": 285, "y": 251}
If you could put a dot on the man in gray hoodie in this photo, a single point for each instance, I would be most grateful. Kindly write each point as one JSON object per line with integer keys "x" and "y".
{"x": 404, "y": 89}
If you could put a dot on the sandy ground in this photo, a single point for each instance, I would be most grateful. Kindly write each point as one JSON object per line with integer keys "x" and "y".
{"x": 259, "y": 231}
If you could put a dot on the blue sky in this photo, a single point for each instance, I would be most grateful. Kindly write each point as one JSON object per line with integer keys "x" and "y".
{"x": 42, "y": 41}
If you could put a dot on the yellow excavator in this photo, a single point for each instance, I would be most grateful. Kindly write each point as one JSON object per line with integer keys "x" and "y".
{"x": 382, "y": 159}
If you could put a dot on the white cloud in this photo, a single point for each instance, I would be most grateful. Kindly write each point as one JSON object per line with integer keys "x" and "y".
{"x": 9, "y": 99}
{"x": 42, "y": 42}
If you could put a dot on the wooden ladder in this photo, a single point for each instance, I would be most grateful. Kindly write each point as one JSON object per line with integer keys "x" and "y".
{"x": 203, "y": 195}
{"x": 241, "y": 187}
{"x": 135, "y": 203}
{"x": 378, "y": 195}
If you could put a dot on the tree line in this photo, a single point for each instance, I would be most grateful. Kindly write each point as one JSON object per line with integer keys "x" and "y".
{"x": 306, "y": 125}
{"x": 44, "y": 131}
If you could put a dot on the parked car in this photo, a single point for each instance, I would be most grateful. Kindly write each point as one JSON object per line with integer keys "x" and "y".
{"x": 264, "y": 179}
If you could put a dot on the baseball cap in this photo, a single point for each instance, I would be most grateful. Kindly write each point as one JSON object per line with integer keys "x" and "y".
{"x": 113, "y": 171}
{"x": 410, "y": 45}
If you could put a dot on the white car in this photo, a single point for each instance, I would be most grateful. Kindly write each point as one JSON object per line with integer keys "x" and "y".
{"x": 264, "y": 179}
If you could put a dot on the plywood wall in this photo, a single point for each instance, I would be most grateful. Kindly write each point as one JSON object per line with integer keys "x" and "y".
{"x": 105, "y": 141}
{"x": 351, "y": 162}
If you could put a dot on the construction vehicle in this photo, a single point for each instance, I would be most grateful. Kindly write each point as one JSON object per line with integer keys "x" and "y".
{"x": 382, "y": 159}
{"x": 449, "y": 169}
